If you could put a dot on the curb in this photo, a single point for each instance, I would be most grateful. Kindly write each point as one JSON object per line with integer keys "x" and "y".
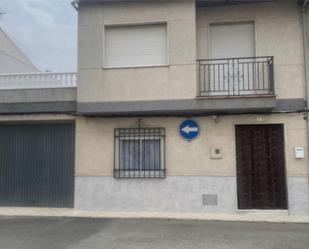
{"x": 269, "y": 217}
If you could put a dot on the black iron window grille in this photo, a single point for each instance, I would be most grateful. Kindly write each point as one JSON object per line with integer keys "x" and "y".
{"x": 236, "y": 76}
{"x": 139, "y": 153}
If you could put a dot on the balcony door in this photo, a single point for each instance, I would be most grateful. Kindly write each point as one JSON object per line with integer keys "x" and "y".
{"x": 232, "y": 50}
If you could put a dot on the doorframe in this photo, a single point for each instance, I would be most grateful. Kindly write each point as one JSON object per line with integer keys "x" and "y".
{"x": 284, "y": 161}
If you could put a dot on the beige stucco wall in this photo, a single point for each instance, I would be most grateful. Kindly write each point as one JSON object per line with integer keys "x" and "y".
{"x": 176, "y": 81}
{"x": 278, "y": 28}
{"x": 95, "y": 144}
{"x": 278, "y": 33}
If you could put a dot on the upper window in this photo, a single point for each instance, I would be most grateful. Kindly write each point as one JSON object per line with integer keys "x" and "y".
{"x": 135, "y": 46}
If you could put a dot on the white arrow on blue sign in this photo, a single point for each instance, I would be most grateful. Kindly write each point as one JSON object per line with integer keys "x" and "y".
{"x": 189, "y": 129}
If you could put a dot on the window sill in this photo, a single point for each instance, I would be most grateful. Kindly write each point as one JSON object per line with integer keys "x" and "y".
{"x": 143, "y": 174}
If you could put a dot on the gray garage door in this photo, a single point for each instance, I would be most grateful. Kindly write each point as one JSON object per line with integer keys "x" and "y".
{"x": 37, "y": 165}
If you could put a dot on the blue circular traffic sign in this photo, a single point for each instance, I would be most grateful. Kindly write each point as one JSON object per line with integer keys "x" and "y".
{"x": 189, "y": 129}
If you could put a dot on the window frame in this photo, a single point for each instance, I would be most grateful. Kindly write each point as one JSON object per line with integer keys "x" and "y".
{"x": 139, "y": 134}
{"x": 106, "y": 26}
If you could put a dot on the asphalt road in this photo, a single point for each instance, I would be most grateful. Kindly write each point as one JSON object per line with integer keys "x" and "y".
{"x": 50, "y": 233}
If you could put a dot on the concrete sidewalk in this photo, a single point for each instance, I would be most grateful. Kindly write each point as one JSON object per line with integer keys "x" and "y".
{"x": 244, "y": 216}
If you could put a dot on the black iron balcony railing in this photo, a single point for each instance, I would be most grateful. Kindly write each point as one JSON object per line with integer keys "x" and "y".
{"x": 236, "y": 76}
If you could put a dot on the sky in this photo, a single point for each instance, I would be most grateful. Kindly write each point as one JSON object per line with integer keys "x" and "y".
{"x": 45, "y": 30}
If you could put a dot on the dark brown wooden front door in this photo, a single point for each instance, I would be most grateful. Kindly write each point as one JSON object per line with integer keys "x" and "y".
{"x": 261, "y": 179}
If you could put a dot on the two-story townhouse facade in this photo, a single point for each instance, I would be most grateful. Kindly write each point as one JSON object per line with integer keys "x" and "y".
{"x": 236, "y": 70}
{"x": 181, "y": 106}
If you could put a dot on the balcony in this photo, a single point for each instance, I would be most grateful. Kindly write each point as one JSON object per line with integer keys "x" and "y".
{"x": 37, "y": 93}
{"x": 236, "y": 77}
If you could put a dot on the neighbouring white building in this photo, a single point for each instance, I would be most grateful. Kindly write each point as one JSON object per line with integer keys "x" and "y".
{"x": 12, "y": 59}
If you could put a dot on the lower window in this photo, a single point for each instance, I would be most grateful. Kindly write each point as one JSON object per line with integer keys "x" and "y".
{"x": 139, "y": 153}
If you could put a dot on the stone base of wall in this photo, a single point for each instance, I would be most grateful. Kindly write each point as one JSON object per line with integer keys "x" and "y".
{"x": 174, "y": 194}
{"x": 298, "y": 195}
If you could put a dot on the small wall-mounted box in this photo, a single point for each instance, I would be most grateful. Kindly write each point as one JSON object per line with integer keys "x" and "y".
{"x": 299, "y": 152}
{"x": 215, "y": 153}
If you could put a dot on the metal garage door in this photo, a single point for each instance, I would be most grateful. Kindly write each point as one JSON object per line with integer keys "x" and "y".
{"x": 37, "y": 165}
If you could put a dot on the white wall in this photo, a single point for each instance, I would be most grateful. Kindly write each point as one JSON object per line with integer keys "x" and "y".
{"x": 12, "y": 59}
{"x": 9, "y": 64}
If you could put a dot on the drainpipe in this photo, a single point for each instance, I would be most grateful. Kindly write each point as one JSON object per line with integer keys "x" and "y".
{"x": 305, "y": 34}
{"x": 306, "y": 62}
